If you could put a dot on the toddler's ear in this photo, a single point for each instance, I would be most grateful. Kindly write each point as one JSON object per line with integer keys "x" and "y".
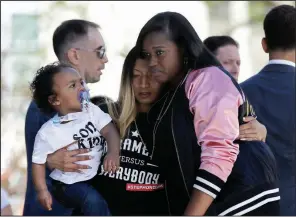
{"x": 53, "y": 100}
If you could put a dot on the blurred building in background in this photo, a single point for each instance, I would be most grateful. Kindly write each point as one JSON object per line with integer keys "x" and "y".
{"x": 26, "y": 44}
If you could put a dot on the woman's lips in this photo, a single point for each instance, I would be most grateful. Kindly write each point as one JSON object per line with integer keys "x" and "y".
{"x": 144, "y": 94}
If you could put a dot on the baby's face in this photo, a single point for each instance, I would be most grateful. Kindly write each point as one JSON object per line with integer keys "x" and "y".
{"x": 67, "y": 86}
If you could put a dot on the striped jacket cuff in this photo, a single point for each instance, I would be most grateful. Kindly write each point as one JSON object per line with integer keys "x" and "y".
{"x": 208, "y": 183}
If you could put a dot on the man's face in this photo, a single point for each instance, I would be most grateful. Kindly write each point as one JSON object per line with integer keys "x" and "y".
{"x": 229, "y": 57}
{"x": 91, "y": 56}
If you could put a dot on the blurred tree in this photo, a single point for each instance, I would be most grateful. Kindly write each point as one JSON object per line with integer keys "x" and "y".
{"x": 28, "y": 50}
{"x": 257, "y": 11}
{"x": 124, "y": 51}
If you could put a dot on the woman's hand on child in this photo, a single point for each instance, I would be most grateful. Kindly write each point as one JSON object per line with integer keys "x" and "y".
{"x": 45, "y": 199}
{"x": 111, "y": 162}
{"x": 252, "y": 130}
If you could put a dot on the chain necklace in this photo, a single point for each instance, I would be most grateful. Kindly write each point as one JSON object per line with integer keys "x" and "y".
{"x": 135, "y": 121}
{"x": 161, "y": 115}
{"x": 156, "y": 126}
{"x": 139, "y": 133}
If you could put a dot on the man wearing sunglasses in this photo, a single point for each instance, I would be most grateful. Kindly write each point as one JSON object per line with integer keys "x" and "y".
{"x": 79, "y": 43}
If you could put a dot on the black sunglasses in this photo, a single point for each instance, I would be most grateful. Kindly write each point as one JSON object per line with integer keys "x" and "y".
{"x": 100, "y": 52}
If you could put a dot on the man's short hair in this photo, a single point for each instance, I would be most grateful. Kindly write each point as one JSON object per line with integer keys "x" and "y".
{"x": 68, "y": 33}
{"x": 280, "y": 28}
{"x": 213, "y": 43}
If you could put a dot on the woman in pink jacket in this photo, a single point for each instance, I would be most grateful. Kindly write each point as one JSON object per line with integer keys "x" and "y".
{"x": 196, "y": 124}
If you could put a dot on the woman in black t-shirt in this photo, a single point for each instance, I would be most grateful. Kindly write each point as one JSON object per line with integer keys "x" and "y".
{"x": 137, "y": 188}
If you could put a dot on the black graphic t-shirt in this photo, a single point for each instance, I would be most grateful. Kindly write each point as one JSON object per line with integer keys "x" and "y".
{"x": 138, "y": 187}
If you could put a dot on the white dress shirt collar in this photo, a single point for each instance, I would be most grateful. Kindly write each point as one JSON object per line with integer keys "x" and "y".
{"x": 284, "y": 62}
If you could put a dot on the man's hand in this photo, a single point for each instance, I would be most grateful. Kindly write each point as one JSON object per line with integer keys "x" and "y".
{"x": 111, "y": 162}
{"x": 252, "y": 130}
{"x": 64, "y": 160}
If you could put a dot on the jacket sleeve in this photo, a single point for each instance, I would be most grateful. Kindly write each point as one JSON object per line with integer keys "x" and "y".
{"x": 214, "y": 102}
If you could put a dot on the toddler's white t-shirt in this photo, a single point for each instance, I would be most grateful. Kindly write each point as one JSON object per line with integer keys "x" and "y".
{"x": 85, "y": 128}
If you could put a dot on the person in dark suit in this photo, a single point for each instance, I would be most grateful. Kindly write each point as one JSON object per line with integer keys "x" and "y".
{"x": 272, "y": 94}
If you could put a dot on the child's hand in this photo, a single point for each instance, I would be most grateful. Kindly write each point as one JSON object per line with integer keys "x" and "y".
{"x": 45, "y": 199}
{"x": 111, "y": 162}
